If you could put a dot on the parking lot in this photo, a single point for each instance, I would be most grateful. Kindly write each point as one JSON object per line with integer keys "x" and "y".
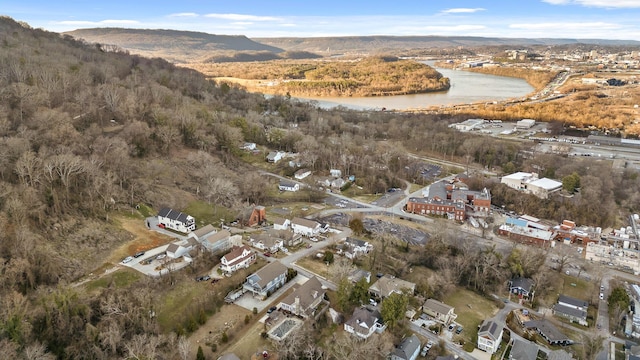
{"x": 154, "y": 262}
{"x": 377, "y": 226}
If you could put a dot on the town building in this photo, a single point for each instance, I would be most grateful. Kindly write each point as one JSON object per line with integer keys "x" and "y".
{"x": 252, "y": 215}
{"x": 364, "y": 322}
{"x": 469, "y": 125}
{"x": 304, "y": 300}
{"x": 268, "y": 279}
{"x": 176, "y": 220}
{"x": 409, "y": 349}
{"x": 525, "y": 124}
{"x": 388, "y": 284}
{"x": 240, "y": 257}
{"x": 527, "y": 230}
{"x": 453, "y": 200}
{"x": 530, "y": 183}
{"x": 286, "y": 185}
{"x": 490, "y": 336}
{"x": 439, "y": 311}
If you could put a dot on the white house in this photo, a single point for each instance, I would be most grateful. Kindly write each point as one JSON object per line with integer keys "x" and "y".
{"x": 302, "y": 173}
{"x": 248, "y": 146}
{"x": 490, "y": 336}
{"x": 525, "y": 124}
{"x": 336, "y": 173}
{"x": 281, "y": 224}
{"x": 389, "y": 284}
{"x": 337, "y": 183}
{"x": 305, "y": 227}
{"x": 364, "y": 322}
{"x": 176, "y": 220}
{"x": 275, "y": 156}
{"x": 202, "y": 232}
{"x": 286, "y": 185}
{"x": 239, "y": 257}
{"x": 266, "y": 242}
{"x": 219, "y": 241}
{"x": 175, "y": 251}
{"x": 357, "y": 247}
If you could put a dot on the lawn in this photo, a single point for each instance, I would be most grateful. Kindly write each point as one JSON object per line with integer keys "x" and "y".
{"x": 571, "y": 286}
{"x": 177, "y": 301}
{"x": 315, "y": 266}
{"x": 471, "y": 309}
{"x": 122, "y": 278}
{"x": 206, "y": 214}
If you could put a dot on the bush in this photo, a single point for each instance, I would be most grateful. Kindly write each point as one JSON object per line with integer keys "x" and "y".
{"x": 224, "y": 338}
{"x": 255, "y": 310}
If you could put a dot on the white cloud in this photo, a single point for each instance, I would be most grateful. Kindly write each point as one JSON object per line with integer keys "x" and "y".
{"x": 184, "y": 14}
{"x": 242, "y": 23}
{"x": 288, "y": 25}
{"x": 455, "y": 28}
{"x": 598, "y": 3}
{"x": 462, "y": 10}
{"x": 242, "y": 17}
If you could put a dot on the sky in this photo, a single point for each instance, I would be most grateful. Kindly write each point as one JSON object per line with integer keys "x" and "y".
{"x": 579, "y": 19}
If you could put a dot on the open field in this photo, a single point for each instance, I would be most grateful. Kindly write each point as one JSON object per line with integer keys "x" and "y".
{"x": 471, "y": 309}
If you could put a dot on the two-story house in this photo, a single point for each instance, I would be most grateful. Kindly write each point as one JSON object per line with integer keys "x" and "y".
{"x": 176, "y": 220}
{"x": 305, "y": 299}
{"x": 364, "y": 322}
{"x": 355, "y": 247}
{"x": 490, "y": 336}
{"x": 572, "y": 309}
{"x": 439, "y": 311}
{"x": 305, "y": 227}
{"x": 265, "y": 281}
{"x": 266, "y": 242}
{"x": 238, "y": 258}
{"x": 523, "y": 287}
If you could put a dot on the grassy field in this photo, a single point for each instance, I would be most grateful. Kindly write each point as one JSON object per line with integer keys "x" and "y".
{"x": 206, "y": 214}
{"x": 471, "y": 309}
{"x": 574, "y": 287}
{"x": 177, "y": 300}
{"x": 315, "y": 266}
{"x": 122, "y": 278}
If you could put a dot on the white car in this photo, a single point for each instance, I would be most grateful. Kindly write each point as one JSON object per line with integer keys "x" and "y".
{"x": 127, "y": 259}
{"x": 601, "y": 296}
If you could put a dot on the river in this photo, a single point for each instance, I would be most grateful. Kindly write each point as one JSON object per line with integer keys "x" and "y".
{"x": 466, "y": 87}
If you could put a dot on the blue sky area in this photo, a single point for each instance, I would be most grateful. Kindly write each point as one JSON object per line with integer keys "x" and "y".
{"x": 581, "y": 19}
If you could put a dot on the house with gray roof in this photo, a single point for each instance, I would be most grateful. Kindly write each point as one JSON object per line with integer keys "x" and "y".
{"x": 176, "y": 220}
{"x": 548, "y": 331}
{"x": 573, "y": 302}
{"x": 364, "y": 322}
{"x": 305, "y": 299}
{"x": 523, "y": 350}
{"x": 521, "y": 286}
{"x": 408, "y": 349}
{"x": 202, "y": 232}
{"x": 570, "y": 313}
{"x": 490, "y": 336}
{"x": 441, "y": 312}
{"x": 305, "y": 227}
{"x": 388, "y": 284}
{"x": 268, "y": 279}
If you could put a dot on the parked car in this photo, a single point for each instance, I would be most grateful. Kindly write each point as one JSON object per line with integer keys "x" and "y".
{"x": 272, "y": 309}
{"x": 127, "y": 259}
{"x": 429, "y": 345}
{"x": 138, "y": 254}
{"x": 161, "y": 256}
{"x": 203, "y": 278}
{"x": 424, "y": 351}
{"x": 459, "y": 329}
{"x": 451, "y": 327}
{"x": 267, "y": 254}
{"x": 601, "y": 296}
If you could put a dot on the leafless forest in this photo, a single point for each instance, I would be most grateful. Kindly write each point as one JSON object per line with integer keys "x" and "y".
{"x": 87, "y": 132}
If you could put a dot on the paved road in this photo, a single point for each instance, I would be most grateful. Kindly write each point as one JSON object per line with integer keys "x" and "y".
{"x": 452, "y": 348}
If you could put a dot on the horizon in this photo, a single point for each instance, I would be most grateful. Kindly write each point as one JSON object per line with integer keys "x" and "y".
{"x": 553, "y": 19}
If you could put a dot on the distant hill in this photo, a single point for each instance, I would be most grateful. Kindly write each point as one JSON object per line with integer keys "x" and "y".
{"x": 369, "y": 44}
{"x": 173, "y": 45}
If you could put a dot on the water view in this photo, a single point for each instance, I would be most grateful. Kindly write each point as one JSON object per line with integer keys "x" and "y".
{"x": 466, "y": 87}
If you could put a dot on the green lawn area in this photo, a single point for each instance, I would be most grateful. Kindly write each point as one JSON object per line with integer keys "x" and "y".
{"x": 571, "y": 286}
{"x": 176, "y": 302}
{"x": 121, "y": 278}
{"x": 206, "y": 214}
{"x": 471, "y": 309}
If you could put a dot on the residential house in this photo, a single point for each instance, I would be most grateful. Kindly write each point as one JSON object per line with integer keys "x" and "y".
{"x": 573, "y": 302}
{"x": 266, "y": 242}
{"x": 288, "y": 237}
{"x": 268, "y": 279}
{"x": 358, "y": 274}
{"x": 337, "y": 183}
{"x": 523, "y": 287}
{"x": 490, "y": 336}
{"x": 571, "y": 313}
{"x": 305, "y": 299}
{"x": 238, "y": 258}
{"x": 176, "y": 220}
{"x": 549, "y": 332}
{"x": 356, "y": 247}
{"x": 286, "y": 185}
{"x": 364, "y": 322}
{"x": 523, "y": 350}
{"x": 275, "y": 156}
{"x": 441, "y": 312}
{"x": 217, "y": 242}
{"x": 252, "y": 215}
{"x": 388, "y": 284}
{"x": 202, "y": 232}
{"x": 305, "y": 227}
{"x": 229, "y": 356}
{"x": 175, "y": 251}
{"x": 336, "y": 173}
{"x": 281, "y": 224}
{"x": 408, "y": 349}
{"x": 301, "y": 174}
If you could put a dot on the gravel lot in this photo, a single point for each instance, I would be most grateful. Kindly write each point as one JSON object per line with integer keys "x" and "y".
{"x": 406, "y": 233}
